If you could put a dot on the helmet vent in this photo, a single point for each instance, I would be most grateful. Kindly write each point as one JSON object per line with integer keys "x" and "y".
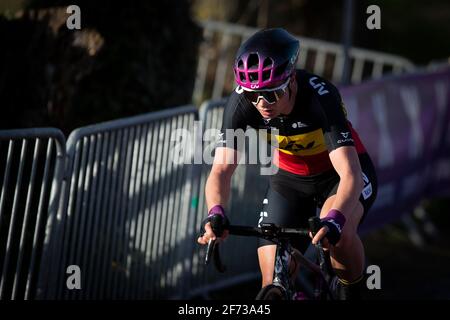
{"x": 267, "y": 62}
{"x": 253, "y": 76}
{"x": 242, "y": 76}
{"x": 266, "y": 75}
{"x": 253, "y": 61}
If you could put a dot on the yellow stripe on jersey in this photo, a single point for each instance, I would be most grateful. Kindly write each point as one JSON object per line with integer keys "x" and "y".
{"x": 306, "y": 144}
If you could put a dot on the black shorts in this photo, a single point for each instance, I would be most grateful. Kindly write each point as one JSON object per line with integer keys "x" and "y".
{"x": 292, "y": 199}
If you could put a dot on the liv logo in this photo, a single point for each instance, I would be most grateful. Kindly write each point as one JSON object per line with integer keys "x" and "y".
{"x": 320, "y": 86}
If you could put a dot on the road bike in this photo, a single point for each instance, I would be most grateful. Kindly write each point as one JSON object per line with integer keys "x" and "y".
{"x": 286, "y": 258}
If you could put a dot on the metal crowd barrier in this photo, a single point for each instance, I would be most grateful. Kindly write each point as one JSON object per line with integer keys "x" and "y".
{"x": 321, "y": 57}
{"x": 116, "y": 206}
{"x": 124, "y": 211}
{"x": 31, "y": 171}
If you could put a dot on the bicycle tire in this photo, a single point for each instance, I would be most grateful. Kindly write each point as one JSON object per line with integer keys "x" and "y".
{"x": 272, "y": 292}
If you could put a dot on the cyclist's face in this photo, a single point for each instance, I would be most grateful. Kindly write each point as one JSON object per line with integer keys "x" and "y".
{"x": 282, "y": 106}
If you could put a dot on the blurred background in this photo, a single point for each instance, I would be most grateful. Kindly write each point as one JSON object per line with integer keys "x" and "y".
{"x": 134, "y": 57}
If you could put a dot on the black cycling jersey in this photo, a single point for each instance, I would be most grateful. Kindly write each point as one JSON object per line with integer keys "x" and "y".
{"x": 316, "y": 125}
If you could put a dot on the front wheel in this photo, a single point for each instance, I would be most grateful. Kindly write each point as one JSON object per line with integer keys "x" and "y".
{"x": 272, "y": 292}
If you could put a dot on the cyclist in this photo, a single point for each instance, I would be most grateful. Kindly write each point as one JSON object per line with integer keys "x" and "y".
{"x": 321, "y": 160}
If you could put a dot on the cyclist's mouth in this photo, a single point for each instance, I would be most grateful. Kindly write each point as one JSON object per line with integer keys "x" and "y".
{"x": 267, "y": 112}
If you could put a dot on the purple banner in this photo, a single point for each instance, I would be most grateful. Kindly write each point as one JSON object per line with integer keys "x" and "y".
{"x": 404, "y": 124}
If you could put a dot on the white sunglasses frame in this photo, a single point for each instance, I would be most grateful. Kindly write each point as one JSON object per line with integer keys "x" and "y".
{"x": 240, "y": 90}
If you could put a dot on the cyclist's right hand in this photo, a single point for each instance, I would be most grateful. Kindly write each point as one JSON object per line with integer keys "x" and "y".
{"x": 214, "y": 226}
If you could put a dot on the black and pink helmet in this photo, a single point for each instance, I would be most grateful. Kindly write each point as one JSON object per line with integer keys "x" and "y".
{"x": 266, "y": 59}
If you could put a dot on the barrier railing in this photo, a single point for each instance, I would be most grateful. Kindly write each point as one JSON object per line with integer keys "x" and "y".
{"x": 221, "y": 41}
{"x": 31, "y": 162}
{"x": 124, "y": 211}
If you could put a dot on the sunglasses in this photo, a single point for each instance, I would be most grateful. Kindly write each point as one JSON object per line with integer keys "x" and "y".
{"x": 270, "y": 95}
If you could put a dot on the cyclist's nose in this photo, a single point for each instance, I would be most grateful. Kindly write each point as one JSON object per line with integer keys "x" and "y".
{"x": 263, "y": 104}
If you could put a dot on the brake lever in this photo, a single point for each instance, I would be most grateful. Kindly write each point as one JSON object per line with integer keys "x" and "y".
{"x": 213, "y": 250}
{"x": 209, "y": 250}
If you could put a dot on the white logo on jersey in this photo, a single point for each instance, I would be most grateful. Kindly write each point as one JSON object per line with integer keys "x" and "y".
{"x": 320, "y": 86}
{"x": 367, "y": 191}
{"x": 299, "y": 124}
{"x": 366, "y": 180}
{"x": 346, "y": 138}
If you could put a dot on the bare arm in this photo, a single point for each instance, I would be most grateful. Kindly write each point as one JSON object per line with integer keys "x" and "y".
{"x": 218, "y": 185}
{"x": 217, "y": 189}
{"x": 346, "y": 163}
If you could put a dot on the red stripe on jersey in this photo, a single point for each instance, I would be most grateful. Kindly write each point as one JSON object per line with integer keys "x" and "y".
{"x": 315, "y": 164}
{"x": 305, "y": 165}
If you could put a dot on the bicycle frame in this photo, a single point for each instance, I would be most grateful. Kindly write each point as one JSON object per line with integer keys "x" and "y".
{"x": 281, "y": 275}
{"x": 281, "y": 267}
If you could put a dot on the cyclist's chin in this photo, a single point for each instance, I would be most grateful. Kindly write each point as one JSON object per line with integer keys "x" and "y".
{"x": 269, "y": 114}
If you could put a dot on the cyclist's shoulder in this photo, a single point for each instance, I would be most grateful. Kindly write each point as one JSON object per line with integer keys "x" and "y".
{"x": 320, "y": 93}
{"x": 238, "y": 111}
{"x": 235, "y": 100}
{"x": 315, "y": 84}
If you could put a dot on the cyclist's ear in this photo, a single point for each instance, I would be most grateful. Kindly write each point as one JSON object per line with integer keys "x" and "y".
{"x": 293, "y": 80}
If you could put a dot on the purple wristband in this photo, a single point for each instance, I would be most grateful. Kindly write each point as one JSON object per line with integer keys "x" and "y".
{"x": 336, "y": 216}
{"x": 217, "y": 209}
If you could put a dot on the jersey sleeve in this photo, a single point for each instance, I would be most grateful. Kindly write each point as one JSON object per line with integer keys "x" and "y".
{"x": 335, "y": 126}
{"x": 234, "y": 122}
